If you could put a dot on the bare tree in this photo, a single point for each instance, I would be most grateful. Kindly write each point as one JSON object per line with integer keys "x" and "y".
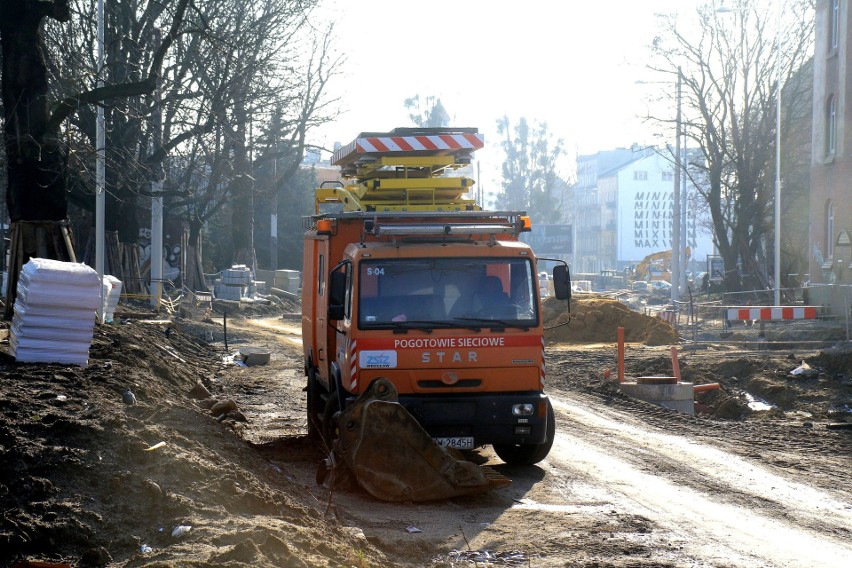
{"x": 206, "y": 128}
{"x": 730, "y": 88}
{"x": 262, "y": 79}
{"x": 33, "y": 118}
{"x": 429, "y": 112}
{"x": 530, "y": 179}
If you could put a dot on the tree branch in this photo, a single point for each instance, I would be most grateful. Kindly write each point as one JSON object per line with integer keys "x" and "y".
{"x": 146, "y": 86}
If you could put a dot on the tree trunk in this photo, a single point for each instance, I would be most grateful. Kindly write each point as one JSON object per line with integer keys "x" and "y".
{"x": 242, "y": 187}
{"x": 36, "y": 161}
{"x": 35, "y": 158}
{"x": 35, "y": 239}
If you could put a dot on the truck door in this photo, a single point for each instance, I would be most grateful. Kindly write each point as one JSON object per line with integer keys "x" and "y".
{"x": 340, "y": 318}
{"x": 320, "y": 328}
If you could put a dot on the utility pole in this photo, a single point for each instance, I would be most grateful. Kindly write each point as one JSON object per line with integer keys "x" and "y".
{"x": 777, "y": 275}
{"x": 100, "y": 166}
{"x": 675, "y": 262}
{"x": 273, "y": 216}
{"x": 157, "y": 200}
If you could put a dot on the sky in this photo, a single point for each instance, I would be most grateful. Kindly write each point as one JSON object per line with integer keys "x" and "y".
{"x": 570, "y": 63}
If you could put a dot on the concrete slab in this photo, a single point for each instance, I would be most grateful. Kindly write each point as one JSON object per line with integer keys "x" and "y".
{"x": 254, "y": 356}
{"x": 679, "y": 397}
{"x": 656, "y": 380}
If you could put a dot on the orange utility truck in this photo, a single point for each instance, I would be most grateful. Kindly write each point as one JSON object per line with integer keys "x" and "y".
{"x": 409, "y": 280}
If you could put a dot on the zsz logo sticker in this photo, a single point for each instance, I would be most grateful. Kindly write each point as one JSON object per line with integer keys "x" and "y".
{"x": 377, "y": 359}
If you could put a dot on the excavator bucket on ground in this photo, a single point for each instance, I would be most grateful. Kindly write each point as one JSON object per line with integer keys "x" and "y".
{"x": 394, "y": 459}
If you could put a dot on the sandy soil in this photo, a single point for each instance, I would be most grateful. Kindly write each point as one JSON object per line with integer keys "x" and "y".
{"x": 627, "y": 483}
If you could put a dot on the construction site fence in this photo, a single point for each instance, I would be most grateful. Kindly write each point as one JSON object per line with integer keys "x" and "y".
{"x": 701, "y": 318}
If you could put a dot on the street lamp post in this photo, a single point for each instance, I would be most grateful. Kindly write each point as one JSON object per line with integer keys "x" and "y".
{"x": 777, "y": 283}
{"x": 675, "y": 262}
{"x": 678, "y": 258}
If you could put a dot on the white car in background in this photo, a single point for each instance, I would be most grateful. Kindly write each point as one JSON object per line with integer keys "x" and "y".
{"x": 659, "y": 285}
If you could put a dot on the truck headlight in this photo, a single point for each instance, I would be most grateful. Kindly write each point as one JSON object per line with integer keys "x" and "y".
{"x": 525, "y": 409}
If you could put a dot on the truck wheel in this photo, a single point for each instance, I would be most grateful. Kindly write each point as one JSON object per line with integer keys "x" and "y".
{"x": 315, "y": 408}
{"x": 329, "y": 420}
{"x": 529, "y": 454}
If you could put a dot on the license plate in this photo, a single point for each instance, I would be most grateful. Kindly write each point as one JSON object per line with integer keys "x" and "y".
{"x": 460, "y": 443}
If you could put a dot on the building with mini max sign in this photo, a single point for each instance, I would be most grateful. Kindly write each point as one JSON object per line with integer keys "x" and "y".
{"x": 623, "y": 205}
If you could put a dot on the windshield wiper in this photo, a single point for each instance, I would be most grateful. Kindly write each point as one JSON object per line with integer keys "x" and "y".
{"x": 455, "y": 324}
{"x": 496, "y": 323}
{"x": 404, "y": 326}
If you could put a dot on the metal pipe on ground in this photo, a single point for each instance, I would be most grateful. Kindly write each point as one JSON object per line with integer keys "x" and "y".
{"x": 283, "y": 293}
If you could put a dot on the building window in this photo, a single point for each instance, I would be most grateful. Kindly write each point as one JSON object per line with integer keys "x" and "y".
{"x": 668, "y": 176}
{"x": 640, "y": 175}
{"x": 831, "y": 126}
{"x": 834, "y": 25}
{"x": 829, "y": 230}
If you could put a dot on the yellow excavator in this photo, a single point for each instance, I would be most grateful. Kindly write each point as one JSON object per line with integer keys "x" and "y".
{"x": 656, "y": 266}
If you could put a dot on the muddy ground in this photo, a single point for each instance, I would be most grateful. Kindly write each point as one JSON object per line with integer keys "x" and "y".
{"x": 89, "y": 480}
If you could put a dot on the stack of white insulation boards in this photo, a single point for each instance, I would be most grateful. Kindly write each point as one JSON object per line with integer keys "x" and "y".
{"x": 234, "y": 284}
{"x": 112, "y": 293}
{"x": 55, "y": 312}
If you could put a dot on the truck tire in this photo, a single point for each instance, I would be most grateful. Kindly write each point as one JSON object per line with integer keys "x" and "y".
{"x": 329, "y": 422}
{"x": 529, "y": 454}
{"x": 315, "y": 407}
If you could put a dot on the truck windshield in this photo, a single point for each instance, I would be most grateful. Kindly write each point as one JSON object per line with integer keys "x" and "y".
{"x": 446, "y": 292}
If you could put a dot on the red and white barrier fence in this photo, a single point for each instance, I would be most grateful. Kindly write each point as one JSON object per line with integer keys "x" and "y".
{"x": 771, "y": 313}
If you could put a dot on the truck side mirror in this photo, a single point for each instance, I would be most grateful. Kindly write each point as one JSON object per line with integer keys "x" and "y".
{"x": 336, "y": 295}
{"x": 561, "y": 282}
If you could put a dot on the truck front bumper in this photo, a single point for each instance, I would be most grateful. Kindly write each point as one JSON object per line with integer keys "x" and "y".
{"x": 489, "y": 419}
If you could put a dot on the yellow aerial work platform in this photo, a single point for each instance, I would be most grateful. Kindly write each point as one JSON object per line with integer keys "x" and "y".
{"x": 404, "y": 170}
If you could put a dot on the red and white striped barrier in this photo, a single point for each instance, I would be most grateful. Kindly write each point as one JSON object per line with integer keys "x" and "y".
{"x": 438, "y": 143}
{"x": 771, "y": 313}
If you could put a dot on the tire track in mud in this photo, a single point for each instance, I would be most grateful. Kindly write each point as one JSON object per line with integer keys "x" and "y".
{"x": 629, "y": 484}
{"x": 723, "y": 508}
{"x": 288, "y": 333}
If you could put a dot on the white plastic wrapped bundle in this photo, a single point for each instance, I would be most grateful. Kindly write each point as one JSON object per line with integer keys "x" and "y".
{"x": 65, "y": 334}
{"x": 58, "y": 272}
{"x": 49, "y": 312}
{"x": 59, "y": 295}
{"x": 79, "y": 321}
{"x": 54, "y": 313}
{"x": 46, "y": 351}
{"x": 112, "y": 292}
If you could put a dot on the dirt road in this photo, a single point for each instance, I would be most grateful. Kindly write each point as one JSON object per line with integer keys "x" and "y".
{"x": 627, "y": 483}
{"x": 89, "y": 479}
{"x": 712, "y": 505}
